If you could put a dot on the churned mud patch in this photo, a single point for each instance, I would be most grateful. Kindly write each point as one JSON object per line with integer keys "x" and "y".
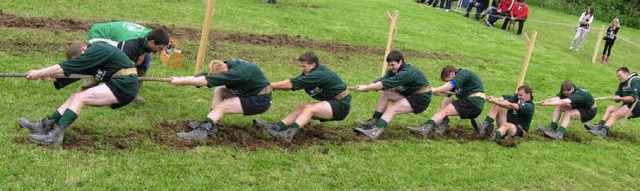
{"x": 278, "y": 40}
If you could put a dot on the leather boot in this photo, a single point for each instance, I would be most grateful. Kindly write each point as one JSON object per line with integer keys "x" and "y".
{"x": 265, "y": 126}
{"x": 442, "y": 126}
{"x": 555, "y": 135}
{"x": 201, "y": 133}
{"x": 37, "y": 127}
{"x": 372, "y": 133}
{"x": 55, "y": 136}
{"x": 592, "y": 127}
{"x": 424, "y": 129}
{"x": 481, "y": 127}
{"x": 602, "y": 132}
{"x": 367, "y": 123}
{"x": 287, "y": 134}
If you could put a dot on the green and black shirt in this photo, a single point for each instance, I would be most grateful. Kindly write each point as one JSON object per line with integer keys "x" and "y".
{"x": 243, "y": 78}
{"x": 467, "y": 83}
{"x": 321, "y": 84}
{"x": 523, "y": 115}
{"x": 626, "y": 89}
{"x": 407, "y": 80}
{"x": 580, "y": 98}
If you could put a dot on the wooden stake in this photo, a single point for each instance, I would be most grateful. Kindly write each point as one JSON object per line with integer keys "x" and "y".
{"x": 393, "y": 22}
{"x": 204, "y": 38}
{"x": 525, "y": 65}
{"x": 595, "y": 50}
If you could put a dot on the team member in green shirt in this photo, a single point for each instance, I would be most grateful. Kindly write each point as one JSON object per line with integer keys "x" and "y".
{"x": 470, "y": 92}
{"x": 627, "y": 93}
{"x": 321, "y": 84}
{"x": 516, "y": 119}
{"x": 240, "y": 87}
{"x": 575, "y": 103}
{"x": 404, "y": 85}
{"x": 118, "y": 86}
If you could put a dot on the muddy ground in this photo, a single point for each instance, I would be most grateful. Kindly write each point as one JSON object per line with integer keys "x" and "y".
{"x": 278, "y": 40}
{"x": 252, "y": 138}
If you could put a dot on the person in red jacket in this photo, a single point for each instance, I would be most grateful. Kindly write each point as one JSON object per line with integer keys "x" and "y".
{"x": 502, "y": 10}
{"x": 519, "y": 12}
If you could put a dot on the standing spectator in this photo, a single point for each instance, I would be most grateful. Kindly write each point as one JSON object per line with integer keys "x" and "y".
{"x": 502, "y": 10}
{"x": 480, "y": 5}
{"x": 446, "y": 7}
{"x": 519, "y": 13}
{"x": 612, "y": 31}
{"x": 581, "y": 31}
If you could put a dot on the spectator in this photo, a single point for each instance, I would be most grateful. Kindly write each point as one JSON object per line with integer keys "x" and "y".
{"x": 581, "y": 31}
{"x": 503, "y": 10}
{"x": 612, "y": 31}
{"x": 519, "y": 12}
{"x": 480, "y": 5}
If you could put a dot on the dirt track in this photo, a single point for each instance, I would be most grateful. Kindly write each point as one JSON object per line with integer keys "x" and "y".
{"x": 278, "y": 40}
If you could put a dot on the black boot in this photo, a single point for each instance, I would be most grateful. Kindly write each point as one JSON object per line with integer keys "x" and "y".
{"x": 367, "y": 123}
{"x": 55, "y": 136}
{"x": 287, "y": 134}
{"x": 200, "y": 133}
{"x": 372, "y": 133}
{"x": 37, "y": 127}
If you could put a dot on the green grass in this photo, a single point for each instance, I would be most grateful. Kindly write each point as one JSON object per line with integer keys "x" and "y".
{"x": 415, "y": 163}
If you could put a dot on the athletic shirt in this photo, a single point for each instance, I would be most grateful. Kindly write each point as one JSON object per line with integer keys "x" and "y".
{"x": 625, "y": 90}
{"x": 102, "y": 61}
{"x": 321, "y": 84}
{"x": 585, "y": 16}
{"x": 523, "y": 115}
{"x": 580, "y": 98}
{"x": 118, "y": 31}
{"x": 468, "y": 83}
{"x": 407, "y": 80}
{"x": 243, "y": 78}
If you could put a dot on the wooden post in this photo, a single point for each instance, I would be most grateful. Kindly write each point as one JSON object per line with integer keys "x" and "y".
{"x": 204, "y": 38}
{"x": 595, "y": 51}
{"x": 530, "y": 42}
{"x": 393, "y": 22}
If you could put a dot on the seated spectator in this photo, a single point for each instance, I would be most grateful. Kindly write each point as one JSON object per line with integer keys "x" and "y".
{"x": 480, "y": 5}
{"x": 519, "y": 13}
{"x": 502, "y": 11}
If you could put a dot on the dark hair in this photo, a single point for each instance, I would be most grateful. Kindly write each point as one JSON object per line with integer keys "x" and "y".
{"x": 590, "y": 10}
{"x": 159, "y": 36}
{"x": 446, "y": 71}
{"x": 395, "y": 56}
{"x": 624, "y": 69}
{"x": 526, "y": 88}
{"x": 567, "y": 85}
{"x": 308, "y": 57}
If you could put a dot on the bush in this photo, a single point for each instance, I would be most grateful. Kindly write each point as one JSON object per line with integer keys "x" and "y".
{"x": 605, "y": 10}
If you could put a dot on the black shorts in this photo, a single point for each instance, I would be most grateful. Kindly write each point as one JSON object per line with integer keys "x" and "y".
{"x": 587, "y": 114}
{"x": 418, "y": 102}
{"x": 254, "y": 105}
{"x": 519, "y": 131}
{"x": 122, "y": 98}
{"x": 636, "y": 111}
{"x": 466, "y": 110}
{"x": 339, "y": 110}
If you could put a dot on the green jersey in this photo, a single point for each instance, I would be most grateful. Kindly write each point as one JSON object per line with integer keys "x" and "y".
{"x": 321, "y": 84}
{"x": 626, "y": 89}
{"x": 102, "y": 61}
{"x": 523, "y": 115}
{"x": 118, "y": 31}
{"x": 407, "y": 80}
{"x": 243, "y": 78}
{"x": 580, "y": 98}
{"x": 467, "y": 83}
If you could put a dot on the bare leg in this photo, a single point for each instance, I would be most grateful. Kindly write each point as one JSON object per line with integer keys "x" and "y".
{"x": 320, "y": 110}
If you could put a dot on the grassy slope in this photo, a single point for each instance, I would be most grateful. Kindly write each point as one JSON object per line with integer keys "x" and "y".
{"x": 495, "y": 55}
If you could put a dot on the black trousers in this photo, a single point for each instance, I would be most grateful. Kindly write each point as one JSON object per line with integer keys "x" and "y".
{"x": 520, "y": 24}
{"x": 607, "y": 47}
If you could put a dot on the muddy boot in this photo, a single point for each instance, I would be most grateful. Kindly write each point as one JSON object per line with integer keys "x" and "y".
{"x": 593, "y": 127}
{"x": 424, "y": 129}
{"x": 287, "y": 134}
{"x": 55, "y": 136}
{"x": 442, "y": 126}
{"x": 37, "y": 127}
{"x": 602, "y": 132}
{"x": 545, "y": 129}
{"x": 194, "y": 124}
{"x": 367, "y": 123}
{"x": 265, "y": 126}
{"x": 493, "y": 137}
{"x": 200, "y": 133}
{"x": 481, "y": 127}
{"x": 554, "y": 134}
{"x": 372, "y": 133}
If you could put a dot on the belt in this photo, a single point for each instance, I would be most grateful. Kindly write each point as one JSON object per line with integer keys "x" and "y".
{"x": 595, "y": 105}
{"x": 125, "y": 71}
{"x": 478, "y": 94}
{"x": 266, "y": 90}
{"x": 423, "y": 89}
{"x": 342, "y": 94}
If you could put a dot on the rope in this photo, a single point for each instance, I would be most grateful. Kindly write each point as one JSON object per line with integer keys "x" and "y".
{"x": 78, "y": 76}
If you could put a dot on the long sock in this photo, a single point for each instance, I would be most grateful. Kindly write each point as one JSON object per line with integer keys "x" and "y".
{"x": 553, "y": 125}
{"x": 282, "y": 125}
{"x": 489, "y": 119}
{"x": 431, "y": 121}
{"x": 67, "y": 118}
{"x": 562, "y": 129}
{"x": 605, "y": 127}
{"x": 498, "y": 134}
{"x": 208, "y": 120}
{"x": 294, "y": 125}
{"x": 376, "y": 115}
{"x": 602, "y": 122}
{"x": 381, "y": 123}
{"x": 55, "y": 116}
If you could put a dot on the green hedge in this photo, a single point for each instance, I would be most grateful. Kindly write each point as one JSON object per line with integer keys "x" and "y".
{"x": 605, "y": 10}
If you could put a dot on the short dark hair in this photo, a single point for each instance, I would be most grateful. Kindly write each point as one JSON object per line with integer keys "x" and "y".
{"x": 624, "y": 69}
{"x": 159, "y": 36}
{"x": 395, "y": 56}
{"x": 446, "y": 71}
{"x": 526, "y": 88}
{"x": 567, "y": 85}
{"x": 308, "y": 57}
